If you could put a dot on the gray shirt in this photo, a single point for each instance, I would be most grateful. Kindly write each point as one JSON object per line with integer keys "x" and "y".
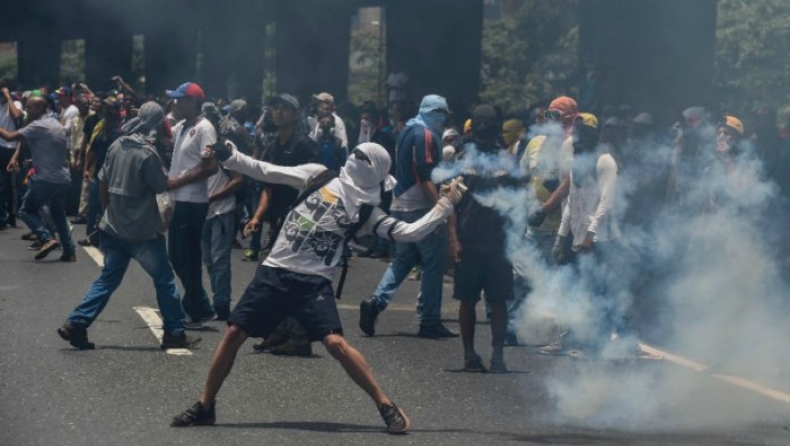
{"x": 134, "y": 174}
{"x": 49, "y": 148}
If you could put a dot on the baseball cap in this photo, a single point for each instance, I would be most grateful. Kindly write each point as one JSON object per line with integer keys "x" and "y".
{"x": 735, "y": 124}
{"x": 237, "y": 105}
{"x": 324, "y": 97}
{"x": 63, "y": 90}
{"x": 190, "y": 89}
{"x": 286, "y": 99}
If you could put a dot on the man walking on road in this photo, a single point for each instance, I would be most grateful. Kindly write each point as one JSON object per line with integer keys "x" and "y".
{"x": 418, "y": 152}
{"x": 189, "y": 173}
{"x": 50, "y": 185}
{"x": 130, "y": 178}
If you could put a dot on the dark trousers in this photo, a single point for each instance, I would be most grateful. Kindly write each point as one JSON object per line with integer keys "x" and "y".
{"x": 8, "y": 196}
{"x": 183, "y": 245}
{"x": 39, "y": 195}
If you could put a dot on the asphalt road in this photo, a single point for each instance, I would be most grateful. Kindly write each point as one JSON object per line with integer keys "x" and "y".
{"x": 126, "y": 391}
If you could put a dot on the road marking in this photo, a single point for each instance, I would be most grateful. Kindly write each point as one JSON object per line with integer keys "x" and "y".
{"x": 95, "y": 254}
{"x": 151, "y": 317}
{"x": 730, "y": 379}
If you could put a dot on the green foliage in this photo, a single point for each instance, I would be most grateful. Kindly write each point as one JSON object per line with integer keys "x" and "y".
{"x": 531, "y": 54}
{"x": 365, "y": 74}
{"x": 753, "y": 52}
{"x": 72, "y": 62}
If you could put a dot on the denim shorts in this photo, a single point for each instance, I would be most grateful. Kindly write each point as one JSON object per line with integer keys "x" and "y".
{"x": 275, "y": 293}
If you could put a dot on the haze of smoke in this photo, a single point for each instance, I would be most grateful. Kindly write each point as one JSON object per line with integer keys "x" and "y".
{"x": 713, "y": 274}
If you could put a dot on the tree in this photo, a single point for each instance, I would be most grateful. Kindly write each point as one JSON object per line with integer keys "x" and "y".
{"x": 753, "y": 52}
{"x": 530, "y": 54}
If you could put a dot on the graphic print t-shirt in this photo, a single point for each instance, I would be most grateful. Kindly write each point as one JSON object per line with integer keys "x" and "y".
{"x": 311, "y": 239}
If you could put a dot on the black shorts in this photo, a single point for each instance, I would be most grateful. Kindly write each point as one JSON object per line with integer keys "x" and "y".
{"x": 275, "y": 293}
{"x": 488, "y": 272}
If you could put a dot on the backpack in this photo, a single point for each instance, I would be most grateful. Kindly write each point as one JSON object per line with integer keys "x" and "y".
{"x": 313, "y": 185}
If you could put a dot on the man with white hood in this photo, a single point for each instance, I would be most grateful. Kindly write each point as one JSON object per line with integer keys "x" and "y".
{"x": 296, "y": 278}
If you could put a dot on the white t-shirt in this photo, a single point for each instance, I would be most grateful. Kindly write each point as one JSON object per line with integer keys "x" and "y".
{"x": 311, "y": 240}
{"x": 217, "y": 182}
{"x": 7, "y": 122}
{"x": 590, "y": 203}
{"x": 66, "y": 117}
{"x": 187, "y": 148}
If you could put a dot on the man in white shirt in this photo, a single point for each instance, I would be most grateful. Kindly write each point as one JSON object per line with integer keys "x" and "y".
{"x": 10, "y": 112}
{"x": 188, "y": 182}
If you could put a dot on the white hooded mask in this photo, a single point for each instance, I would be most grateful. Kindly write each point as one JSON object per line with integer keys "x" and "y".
{"x": 361, "y": 177}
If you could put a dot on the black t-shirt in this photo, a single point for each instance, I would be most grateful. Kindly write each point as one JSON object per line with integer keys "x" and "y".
{"x": 298, "y": 150}
{"x": 102, "y": 143}
{"x": 482, "y": 229}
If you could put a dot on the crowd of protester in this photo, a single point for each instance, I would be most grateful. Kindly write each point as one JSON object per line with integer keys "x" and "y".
{"x": 178, "y": 182}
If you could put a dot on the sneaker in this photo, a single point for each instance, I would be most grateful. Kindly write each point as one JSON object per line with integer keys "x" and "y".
{"x": 47, "y": 248}
{"x": 269, "y": 343}
{"x": 183, "y": 341}
{"x": 395, "y": 418}
{"x": 29, "y": 236}
{"x": 497, "y": 366}
{"x": 291, "y": 349}
{"x": 368, "y": 315}
{"x": 198, "y": 323}
{"x": 249, "y": 256}
{"x": 85, "y": 242}
{"x": 436, "y": 331}
{"x": 197, "y": 415}
{"x": 68, "y": 257}
{"x": 474, "y": 364}
{"x": 578, "y": 354}
{"x": 222, "y": 314}
{"x": 555, "y": 348}
{"x": 77, "y": 336}
{"x": 35, "y": 246}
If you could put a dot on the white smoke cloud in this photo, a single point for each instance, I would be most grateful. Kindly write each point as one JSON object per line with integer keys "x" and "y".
{"x": 703, "y": 256}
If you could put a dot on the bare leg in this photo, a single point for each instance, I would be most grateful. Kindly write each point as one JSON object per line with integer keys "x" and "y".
{"x": 222, "y": 363}
{"x": 467, "y": 317}
{"x": 356, "y": 367}
{"x": 498, "y": 327}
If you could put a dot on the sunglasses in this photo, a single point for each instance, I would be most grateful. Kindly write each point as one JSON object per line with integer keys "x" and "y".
{"x": 552, "y": 114}
{"x": 360, "y": 155}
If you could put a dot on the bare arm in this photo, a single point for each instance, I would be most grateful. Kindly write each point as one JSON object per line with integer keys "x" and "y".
{"x": 236, "y": 180}
{"x": 11, "y": 135}
{"x": 12, "y": 109}
{"x": 206, "y": 168}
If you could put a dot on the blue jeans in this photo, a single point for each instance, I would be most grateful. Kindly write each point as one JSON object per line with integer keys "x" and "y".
{"x": 94, "y": 214}
{"x": 152, "y": 256}
{"x": 543, "y": 241}
{"x": 432, "y": 252}
{"x": 183, "y": 245}
{"x": 39, "y": 194}
{"x": 218, "y": 233}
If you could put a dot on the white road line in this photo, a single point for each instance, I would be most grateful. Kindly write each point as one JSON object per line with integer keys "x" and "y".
{"x": 730, "y": 379}
{"x": 151, "y": 317}
{"x": 95, "y": 254}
